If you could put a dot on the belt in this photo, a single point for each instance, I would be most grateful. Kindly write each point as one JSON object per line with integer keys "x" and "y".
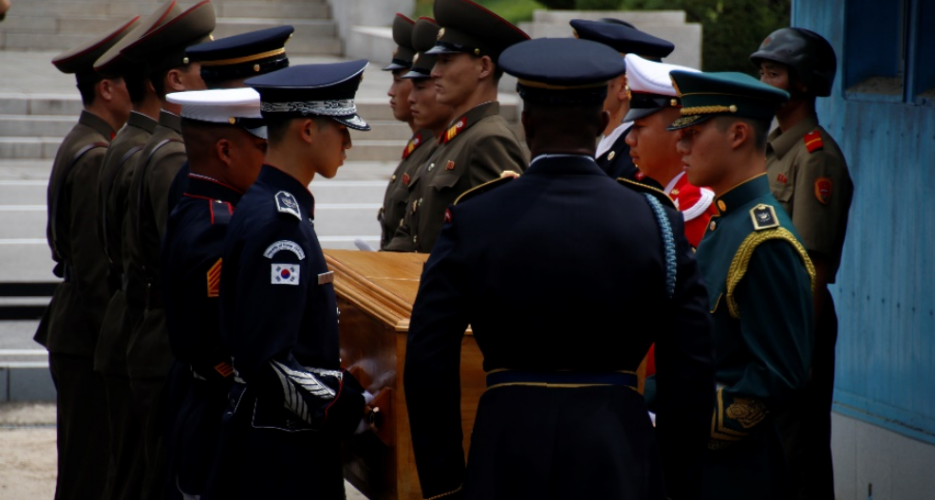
{"x": 559, "y": 379}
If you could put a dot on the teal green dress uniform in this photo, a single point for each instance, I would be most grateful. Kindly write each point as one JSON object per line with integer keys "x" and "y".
{"x": 759, "y": 281}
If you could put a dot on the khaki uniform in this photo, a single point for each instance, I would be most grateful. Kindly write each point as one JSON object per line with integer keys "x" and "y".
{"x": 110, "y": 358}
{"x": 477, "y": 148}
{"x": 72, "y": 322}
{"x": 392, "y": 214}
{"x": 808, "y": 176}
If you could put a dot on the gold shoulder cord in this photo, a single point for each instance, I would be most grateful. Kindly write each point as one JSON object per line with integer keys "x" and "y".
{"x": 738, "y": 266}
{"x": 467, "y": 194}
{"x": 449, "y": 493}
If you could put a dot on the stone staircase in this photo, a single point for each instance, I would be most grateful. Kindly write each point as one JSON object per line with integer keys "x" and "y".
{"x": 58, "y": 25}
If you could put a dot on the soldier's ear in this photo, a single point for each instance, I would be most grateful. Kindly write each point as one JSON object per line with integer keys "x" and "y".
{"x": 222, "y": 148}
{"x": 174, "y": 81}
{"x": 486, "y": 67}
{"x": 105, "y": 90}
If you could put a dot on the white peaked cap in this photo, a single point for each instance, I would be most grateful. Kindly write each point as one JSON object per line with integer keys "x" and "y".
{"x": 651, "y": 77}
{"x": 218, "y": 105}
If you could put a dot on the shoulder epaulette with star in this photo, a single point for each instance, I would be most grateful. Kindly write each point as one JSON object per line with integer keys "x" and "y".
{"x": 643, "y": 188}
{"x": 506, "y": 177}
{"x": 813, "y": 141}
{"x": 287, "y": 204}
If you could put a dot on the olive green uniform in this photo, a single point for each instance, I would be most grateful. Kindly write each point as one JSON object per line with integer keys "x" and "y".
{"x": 759, "y": 280}
{"x": 809, "y": 176}
{"x": 110, "y": 358}
{"x": 392, "y": 213}
{"x": 148, "y": 353}
{"x": 478, "y": 147}
{"x": 73, "y": 319}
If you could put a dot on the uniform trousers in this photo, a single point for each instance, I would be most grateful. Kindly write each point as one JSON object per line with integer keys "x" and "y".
{"x": 149, "y": 404}
{"x": 127, "y": 468}
{"x": 82, "y": 435}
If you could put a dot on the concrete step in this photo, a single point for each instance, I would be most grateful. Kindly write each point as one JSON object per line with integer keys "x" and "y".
{"x": 638, "y": 18}
{"x": 382, "y": 130}
{"x": 304, "y": 28}
{"x": 29, "y": 147}
{"x": 35, "y": 125}
{"x": 293, "y": 9}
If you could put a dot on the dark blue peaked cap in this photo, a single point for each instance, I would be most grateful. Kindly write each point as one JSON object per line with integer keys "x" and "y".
{"x": 312, "y": 90}
{"x": 562, "y": 70}
{"x": 623, "y": 39}
{"x": 247, "y": 54}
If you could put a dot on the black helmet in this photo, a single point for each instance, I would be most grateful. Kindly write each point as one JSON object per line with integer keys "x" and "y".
{"x": 806, "y": 52}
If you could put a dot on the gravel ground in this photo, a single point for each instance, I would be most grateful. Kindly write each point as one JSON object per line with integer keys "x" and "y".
{"x": 27, "y": 452}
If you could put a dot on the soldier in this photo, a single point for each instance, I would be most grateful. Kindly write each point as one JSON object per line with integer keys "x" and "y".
{"x": 560, "y": 417}
{"x": 427, "y": 113}
{"x": 70, "y": 327}
{"x": 226, "y": 63}
{"x": 759, "y": 280}
{"x": 420, "y": 145}
{"x": 126, "y": 467}
{"x": 292, "y": 403}
{"x": 808, "y": 175}
{"x": 478, "y": 145}
{"x": 148, "y": 354}
{"x": 612, "y": 150}
{"x": 225, "y": 159}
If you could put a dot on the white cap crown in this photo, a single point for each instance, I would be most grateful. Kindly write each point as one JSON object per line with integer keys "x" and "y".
{"x": 651, "y": 77}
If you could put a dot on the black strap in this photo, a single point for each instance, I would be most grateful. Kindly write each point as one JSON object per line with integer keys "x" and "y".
{"x": 108, "y": 185}
{"x": 57, "y": 196}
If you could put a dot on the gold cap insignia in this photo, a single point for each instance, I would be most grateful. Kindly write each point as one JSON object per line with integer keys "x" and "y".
{"x": 184, "y": 60}
{"x": 674, "y": 102}
{"x": 733, "y": 108}
{"x": 575, "y": 33}
{"x": 232, "y": 120}
{"x": 415, "y": 58}
{"x": 256, "y": 67}
{"x": 441, "y": 33}
{"x": 476, "y": 52}
{"x": 629, "y": 94}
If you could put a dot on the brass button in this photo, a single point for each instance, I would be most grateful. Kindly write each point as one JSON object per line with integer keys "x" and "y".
{"x": 420, "y": 202}
{"x": 393, "y": 179}
{"x": 415, "y": 239}
{"x": 431, "y": 166}
{"x": 713, "y": 225}
{"x": 721, "y": 205}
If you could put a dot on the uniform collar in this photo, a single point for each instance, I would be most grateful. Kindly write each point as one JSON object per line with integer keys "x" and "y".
{"x": 139, "y": 120}
{"x": 564, "y": 164}
{"x": 282, "y": 181}
{"x": 782, "y": 142}
{"x": 201, "y": 185}
{"x": 421, "y": 137}
{"x": 608, "y": 141}
{"x": 97, "y": 123}
{"x": 675, "y": 182}
{"x": 171, "y": 120}
{"x": 465, "y": 121}
{"x": 742, "y": 193}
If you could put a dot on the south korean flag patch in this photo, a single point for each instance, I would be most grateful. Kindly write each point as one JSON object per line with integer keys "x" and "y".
{"x": 284, "y": 274}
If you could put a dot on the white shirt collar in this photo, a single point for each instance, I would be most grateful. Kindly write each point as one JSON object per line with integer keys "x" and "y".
{"x": 542, "y": 156}
{"x": 671, "y": 185}
{"x": 608, "y": 141}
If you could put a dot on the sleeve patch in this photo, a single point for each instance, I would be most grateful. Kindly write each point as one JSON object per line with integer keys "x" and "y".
{"x": 286, "y": 203}
{"x": 214, "y": 279}
{"x": 813, "y": 141}
{"x": 284, "y": 245}
{"x": 823, "y": 188}
{"x": 284, "y": 274}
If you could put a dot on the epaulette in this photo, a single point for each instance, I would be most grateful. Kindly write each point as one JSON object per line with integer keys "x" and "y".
{"x": 813, "y": 141}
{"x": 504, "y": 178}
{"x": 643, "y": 188}
{"x": 221, "y": 212}
{"x": 287, "y": 204}
{"x": 764, "y": 217}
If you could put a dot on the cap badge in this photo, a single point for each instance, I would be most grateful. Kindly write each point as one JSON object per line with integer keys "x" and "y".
{"x": 256, "y": 68}
{"x": 415, "y": 58}
{"x": 184, "y": 60}
{"x": 441, "y": 33}
{"x": 674, "y": 102}
{"x": 575, "y": 33}
{"x": 232, "y": 120}
{"x": 733, "y": 108}
{"x": 476, "y": 52}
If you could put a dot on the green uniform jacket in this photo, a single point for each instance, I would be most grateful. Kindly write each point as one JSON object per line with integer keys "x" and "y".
{"x": 809, "y": 176}
{"x": 76, "y": 312}
{"x": 148, "y": 353}
{"x": 116, "y": 173}
{"x": 759, "y": 281}
{"x": 477, "y": 148}
{"x": 392, "y": 214}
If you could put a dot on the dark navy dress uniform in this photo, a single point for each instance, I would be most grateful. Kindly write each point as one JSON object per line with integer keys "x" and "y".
{"x": 561, "y": 417}
{"x": 201, "y": 377}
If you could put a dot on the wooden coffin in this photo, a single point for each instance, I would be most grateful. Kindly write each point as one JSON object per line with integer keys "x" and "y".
{"x": 375, "y": 292}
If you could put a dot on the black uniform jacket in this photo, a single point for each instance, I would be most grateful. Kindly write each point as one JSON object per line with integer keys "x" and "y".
{"x": 191, "y": 275}
{"x": 550, "y": 271}
{"x": 279, "y": 318}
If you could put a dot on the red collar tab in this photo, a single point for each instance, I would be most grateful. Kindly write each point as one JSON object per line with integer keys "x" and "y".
{"x": 414, "y": 144}
{"x": 813, "y": 141}
{"x": 453, "y": 132}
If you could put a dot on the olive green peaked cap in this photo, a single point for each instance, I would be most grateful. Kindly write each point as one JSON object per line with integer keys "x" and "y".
{"x": 402, "y": 35}
{"x": 80, "y": 60}
{"x": 164, "y": 47}
{"x": 114, "y": 63}
{"x": 470, "y": 28}
{"x": 705, "y": 95}
{"x": 424, "y": 36}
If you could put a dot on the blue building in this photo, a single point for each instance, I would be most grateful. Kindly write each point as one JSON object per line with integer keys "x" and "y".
{"x": 882, "y": 113}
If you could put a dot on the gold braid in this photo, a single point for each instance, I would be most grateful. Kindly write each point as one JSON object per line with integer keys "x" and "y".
{"x": 738, "y": 266}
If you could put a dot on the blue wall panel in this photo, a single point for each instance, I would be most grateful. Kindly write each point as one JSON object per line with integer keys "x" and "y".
{"x": 885, "y": 293}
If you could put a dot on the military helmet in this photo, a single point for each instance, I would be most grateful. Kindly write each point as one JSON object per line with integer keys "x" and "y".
{"x": 806, "y": 52}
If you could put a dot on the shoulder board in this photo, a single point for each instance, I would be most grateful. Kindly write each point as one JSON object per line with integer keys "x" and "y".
{"x": 221, "y": 212}
{"x": 764, "y": 217}
{"x": 287, "y": 204}
{"x": 659, "y": 194}
{"x": 506, "y": 177}
{"x": 813, "y": 141}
